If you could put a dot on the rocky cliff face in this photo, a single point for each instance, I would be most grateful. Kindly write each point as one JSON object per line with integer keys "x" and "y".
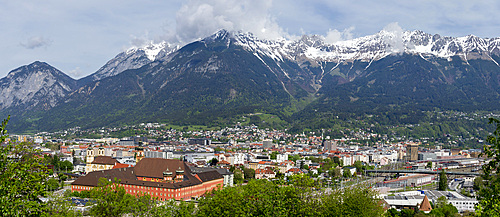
{"x": 37, "y": 85}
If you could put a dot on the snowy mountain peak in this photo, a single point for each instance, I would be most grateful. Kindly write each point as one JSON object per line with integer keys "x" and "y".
{"x": 367, "y": 48}
{"x": 151, "y": 50}
{"x": 221, "y": 34}
{"x": 132, "y": 58}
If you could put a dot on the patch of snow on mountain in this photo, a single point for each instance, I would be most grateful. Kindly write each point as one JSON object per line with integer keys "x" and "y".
{"x": 152, "y": 50}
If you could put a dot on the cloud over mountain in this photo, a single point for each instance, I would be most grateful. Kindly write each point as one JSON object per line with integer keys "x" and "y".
{"x": 36, "y": 42}
{"x": 198, "y": 18}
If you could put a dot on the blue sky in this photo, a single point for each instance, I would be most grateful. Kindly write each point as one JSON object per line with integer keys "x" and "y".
{"x": 78, "y": 37}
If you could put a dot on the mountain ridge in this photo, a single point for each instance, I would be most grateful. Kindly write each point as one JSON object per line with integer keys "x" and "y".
{"x": 37, "y": 85}
{"x": 227, "y": 74}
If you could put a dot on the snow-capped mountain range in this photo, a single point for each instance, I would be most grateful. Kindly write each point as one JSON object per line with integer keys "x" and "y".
{"x": 307, "y": 48}
{"x": 372, "y": 47}
{"x": 314, "y": 47}
{"x": 274, "y": 70}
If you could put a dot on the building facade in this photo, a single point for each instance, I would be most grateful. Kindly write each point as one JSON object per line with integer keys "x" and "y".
{"x": 94, "y": 152}
{"x": 100, "y": 163}
{"x": 412, "y": 151}
{"x": 163, "y": 179}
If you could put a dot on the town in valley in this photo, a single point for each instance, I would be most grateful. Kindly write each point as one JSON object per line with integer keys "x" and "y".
{"x": 185, "y": 163}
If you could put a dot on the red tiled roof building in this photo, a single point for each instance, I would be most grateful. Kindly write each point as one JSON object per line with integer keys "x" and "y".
{"x": 161, "y": 178}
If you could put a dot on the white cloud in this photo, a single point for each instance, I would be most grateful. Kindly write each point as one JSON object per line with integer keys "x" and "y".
{"x": 199, "y": 18}
{"x": 140, "y": 41}
{"x": 36, "y": 42}
{"x": 334, "y": 35}
{"x": 393, "y": 36}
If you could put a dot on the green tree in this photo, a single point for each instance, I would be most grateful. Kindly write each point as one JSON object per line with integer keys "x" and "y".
{"x": 392, "y": 213}
{"x": 305, "y": 167}
{"x": 478, "y": 183}
{"x": 62, "y": 177}
{"x": 429, "y": 165}
{"x": 22, "y": 178}
{"x": 352, "y": 201}
{"x": 320, "y": 170}
{"x": 449, "y": 210}
{"x": 441, "y": 202}
{"x": 175, "y": 209}
{"x": 238, "y": 176}
{"x": 52, "y": 184}
{"x": 337, "y": 161}
{"x": 66, "y": 166}
{"x": 334, "y": 172}
{"x": 249, "y": 173}
{"x": 259, "y": 198}
{"x": 294, "y": 157}
{"x": 213, "y": 162}
{"x": 110, "y": 199}
{"x": 347, "y": 173}
{"x": 489, "y": 193}
{"x": 56, "y": 162}
{"x": 444, "y": 208}
{"x": 301, "y": 180}
{"x": 328, "y": 164}
{"x": 443, "y": 181}
{"x": 359, "y": 166}
{"x": 273, "y": 155}
{"x": 407, "y": 213}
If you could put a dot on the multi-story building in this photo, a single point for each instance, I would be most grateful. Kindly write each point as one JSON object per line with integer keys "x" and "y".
{"x": 266, "y": 173}
{"x": 347, "y": 159}
{"x": 461, "y": 202}
{"x": 195, "y": 157}
{"x": 200, "y": 141}
{"x": 412, "y": 151}
{"x": 330, "y": 145}
{"x": 237, "y": 158}
{"x": 160, "y": 178}
{"x": 427, "y": 156}
{"x": 100, "y": 163}
{"x": 159, "y": 154}
{"x": 281, "y": 157}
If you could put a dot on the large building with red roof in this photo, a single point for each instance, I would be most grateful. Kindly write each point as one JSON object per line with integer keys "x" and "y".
{"x": 161, "y": 178}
